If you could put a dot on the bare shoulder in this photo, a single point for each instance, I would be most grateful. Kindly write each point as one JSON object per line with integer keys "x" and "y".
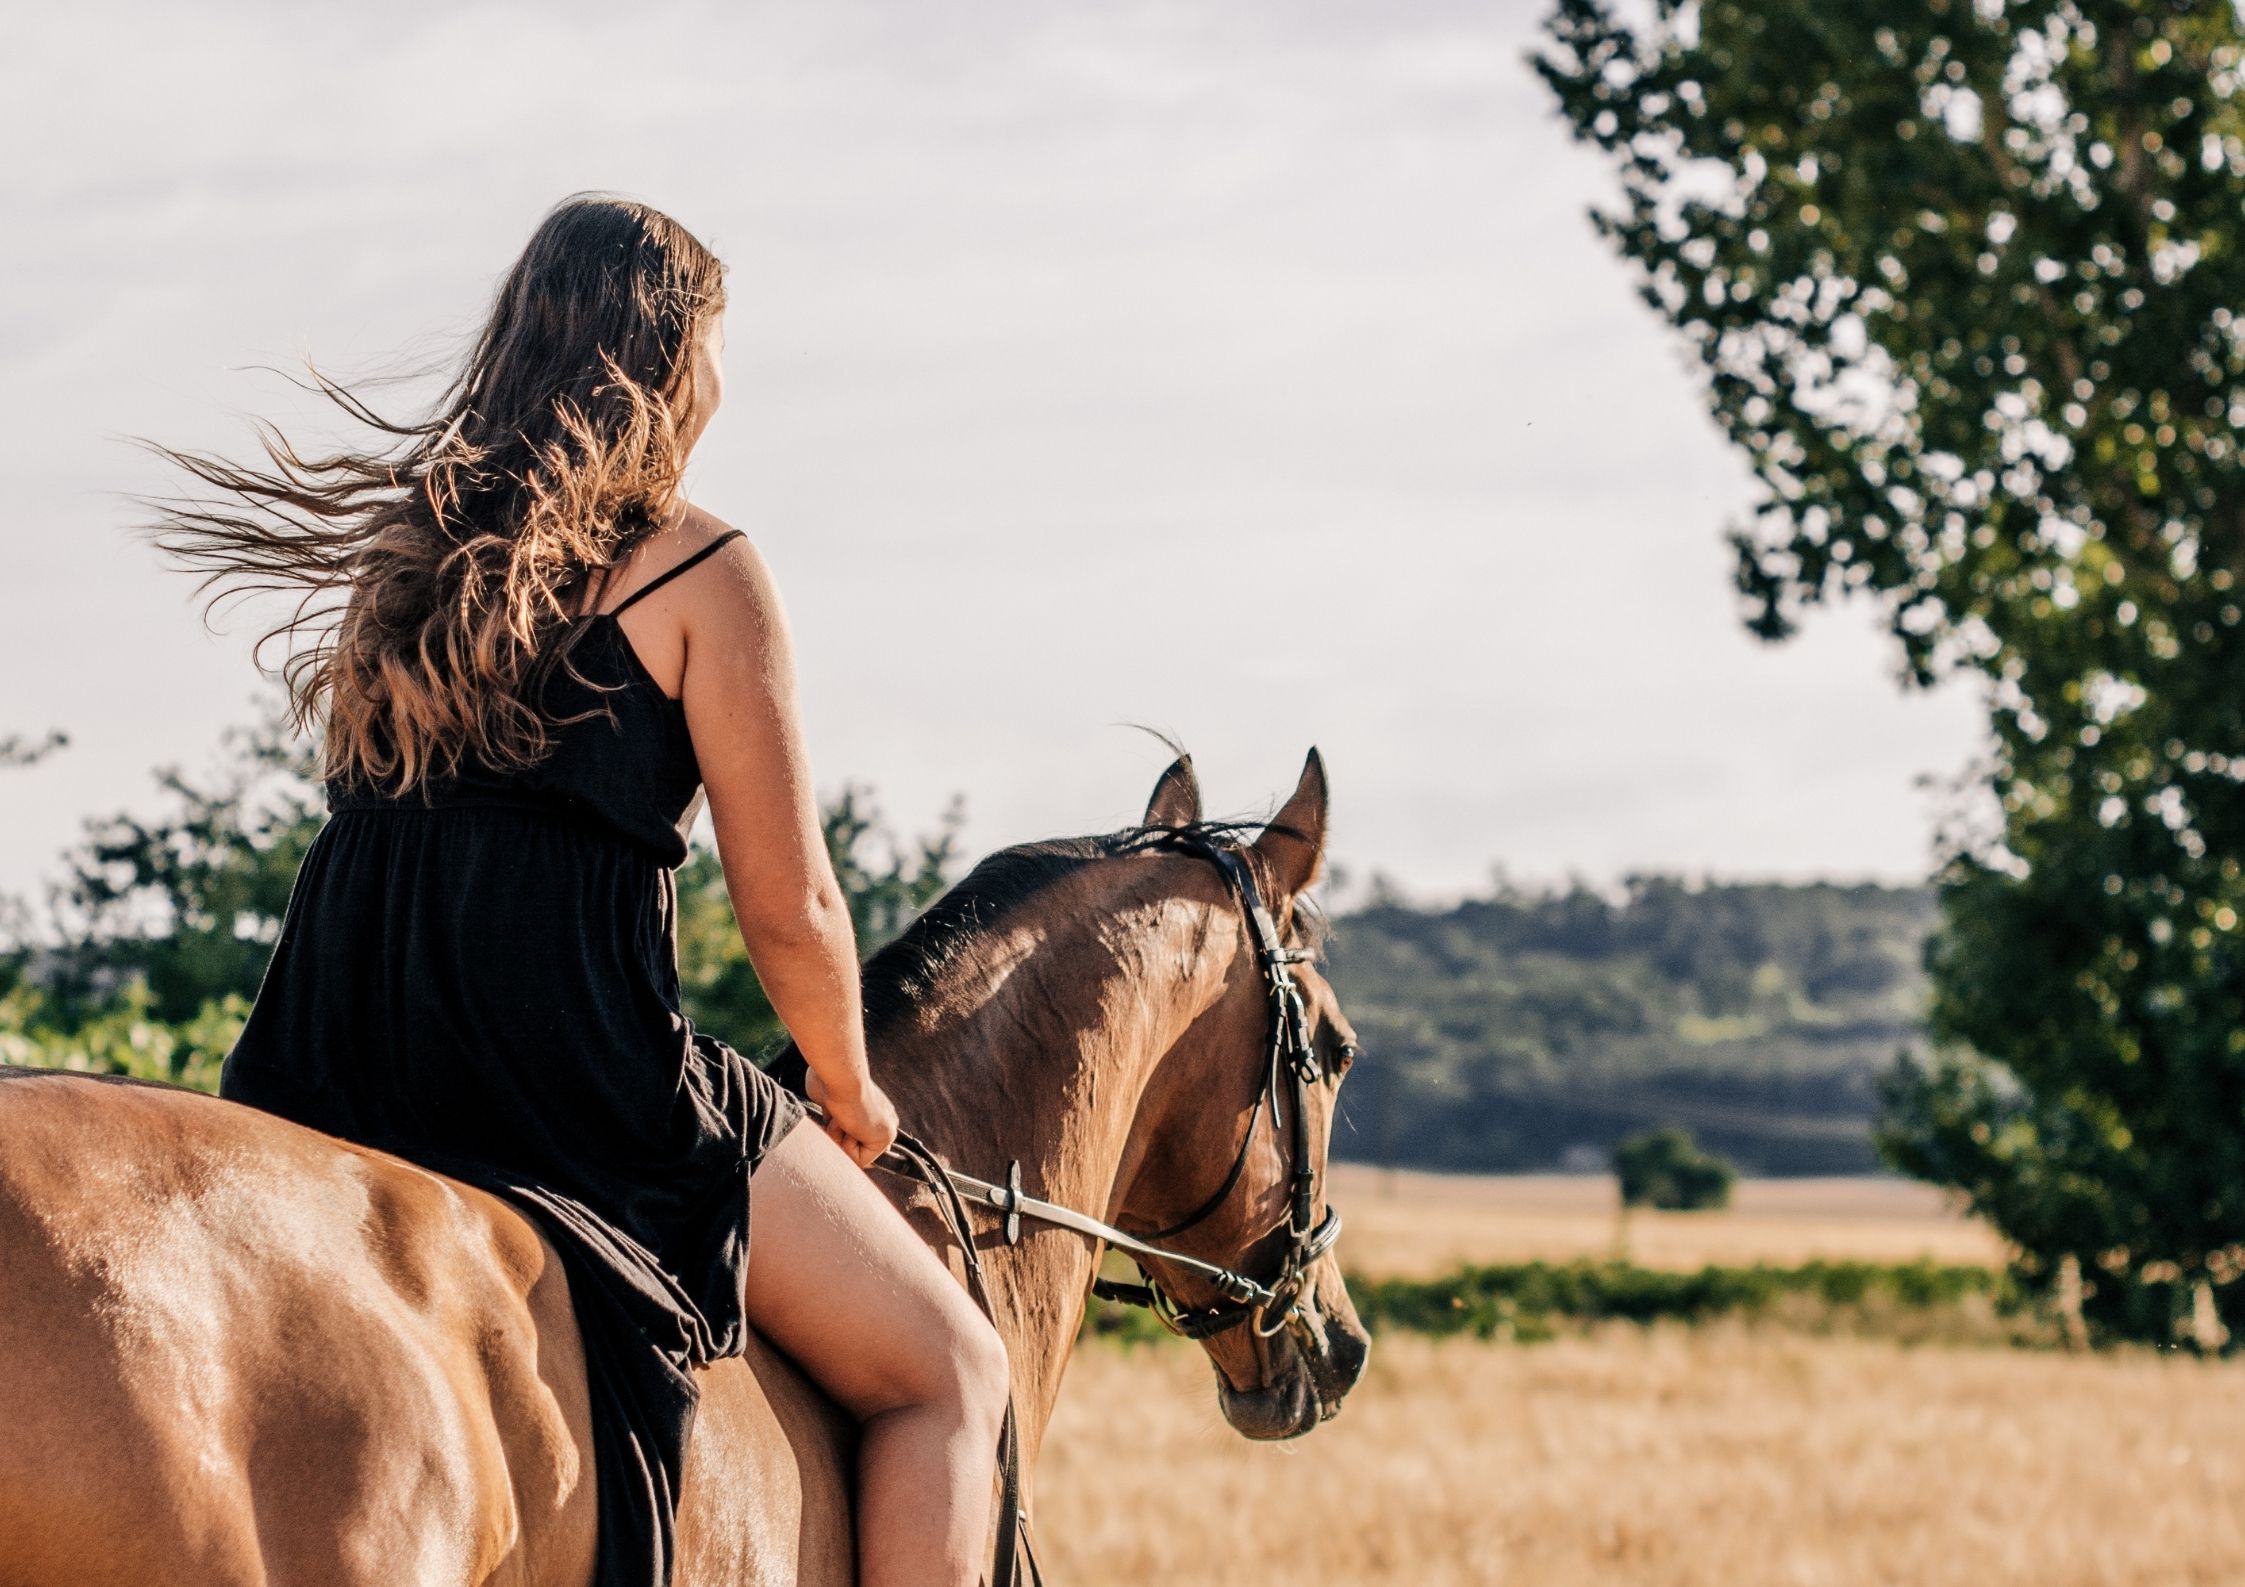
{"x": 698, "y": 526}
{"x": 751, "y": 575}
{"x": 735, "y": 607}
{"x": 692, "y": 533}
{"x": 701, "y": 527}
{"x": 687, "y": 538}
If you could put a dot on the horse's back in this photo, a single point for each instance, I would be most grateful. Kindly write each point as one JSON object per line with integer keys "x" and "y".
{"x": 236, "y": 1350}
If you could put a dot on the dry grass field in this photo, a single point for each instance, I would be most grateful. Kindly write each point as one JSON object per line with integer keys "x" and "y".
{"x": 1719, "y": 1457}
{"x": 1727, "y": 1456}
{"x": 1407, "y": 1225}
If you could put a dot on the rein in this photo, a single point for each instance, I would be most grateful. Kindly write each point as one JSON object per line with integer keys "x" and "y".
{"x": 1290, "y": 1060}
{"x": 1245, "y": 1297}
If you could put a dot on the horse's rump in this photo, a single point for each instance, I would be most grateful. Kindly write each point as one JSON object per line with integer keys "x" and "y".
{"x": 232, "y": 1349}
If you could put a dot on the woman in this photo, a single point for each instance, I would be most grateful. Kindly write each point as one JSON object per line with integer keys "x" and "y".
{"x": 528, "y": 657}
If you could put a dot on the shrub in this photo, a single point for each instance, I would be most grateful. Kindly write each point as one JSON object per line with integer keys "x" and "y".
{"x": 1665, "y": 1168}
{"x": 124, "y": 1037}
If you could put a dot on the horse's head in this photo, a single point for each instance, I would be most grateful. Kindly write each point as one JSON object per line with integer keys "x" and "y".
{"x": 1224, "y": 1172}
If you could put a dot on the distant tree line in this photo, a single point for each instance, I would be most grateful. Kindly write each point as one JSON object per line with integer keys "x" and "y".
{"x": 1519, "y": 1031}
{"x": 1535, "y": 1030}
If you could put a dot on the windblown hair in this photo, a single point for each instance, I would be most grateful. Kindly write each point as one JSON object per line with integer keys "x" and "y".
{"x": 438, "y": 572}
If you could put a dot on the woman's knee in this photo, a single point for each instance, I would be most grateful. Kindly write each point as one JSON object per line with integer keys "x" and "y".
{"x": 982, "y": 1373}
{"x": 958, "y": 1363}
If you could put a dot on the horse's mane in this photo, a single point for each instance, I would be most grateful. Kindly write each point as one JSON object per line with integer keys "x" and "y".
{"x": 904, "y": 974}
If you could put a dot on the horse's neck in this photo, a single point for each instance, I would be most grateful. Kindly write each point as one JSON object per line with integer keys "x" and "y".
{"x": 1046, "y": 1063}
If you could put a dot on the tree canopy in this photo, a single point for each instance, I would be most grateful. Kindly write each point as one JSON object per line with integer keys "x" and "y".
{"x": 1963, "y": 279}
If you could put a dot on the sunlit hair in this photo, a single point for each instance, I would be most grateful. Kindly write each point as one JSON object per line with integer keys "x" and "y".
{"x": 438, "y": 570}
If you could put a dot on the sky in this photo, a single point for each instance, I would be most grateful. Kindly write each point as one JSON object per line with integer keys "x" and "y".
{"x": 1248, "y": 371}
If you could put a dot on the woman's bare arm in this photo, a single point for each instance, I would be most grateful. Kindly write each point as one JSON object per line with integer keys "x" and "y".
{"x": 738, "y": 688}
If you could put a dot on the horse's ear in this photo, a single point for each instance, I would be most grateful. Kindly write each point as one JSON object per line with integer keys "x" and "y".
{"x": 1176, "y": 800}
{"x": 1293, "y": 845}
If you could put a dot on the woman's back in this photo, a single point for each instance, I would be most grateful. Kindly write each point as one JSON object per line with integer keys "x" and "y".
{"x": 620, "y": 755}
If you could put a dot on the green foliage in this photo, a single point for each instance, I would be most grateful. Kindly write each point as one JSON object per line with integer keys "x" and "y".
{"x": 1665, "y": 1168}
{"x": 1120, "y": 1324}
{"x": 165, "y": 924}
{"x": 1528, "y": 1301}
{"x": 1533, "y": 1030}
{"x": 1963, "y": 279}
{"x": 187, "y": 905}
{"x": 122, "y": 1037}
{"x": 886, "y": 882}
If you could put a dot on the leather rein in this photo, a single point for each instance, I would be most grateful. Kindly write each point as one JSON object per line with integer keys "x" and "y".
{"x": 1290, "y": 1063}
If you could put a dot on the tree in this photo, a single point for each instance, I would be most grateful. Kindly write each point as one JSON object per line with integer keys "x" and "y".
{"x": 189, "y": 903}
{"x": 1963, "y": 279}
{"x": 1665, "y": 1168}
{"x": 16, "y": 750}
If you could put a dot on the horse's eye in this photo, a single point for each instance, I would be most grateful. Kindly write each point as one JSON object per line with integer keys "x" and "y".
{"x": 1344, "y": 1056}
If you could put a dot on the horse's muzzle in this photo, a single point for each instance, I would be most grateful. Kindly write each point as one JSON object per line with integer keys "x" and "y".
{"x": 1319, "y": 1361}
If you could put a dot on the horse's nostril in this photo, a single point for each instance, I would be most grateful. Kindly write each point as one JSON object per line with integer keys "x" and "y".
{"x": 1348, "y": 1352}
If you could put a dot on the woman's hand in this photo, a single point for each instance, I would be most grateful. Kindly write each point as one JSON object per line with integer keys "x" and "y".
{"x": 862, "y": 1123}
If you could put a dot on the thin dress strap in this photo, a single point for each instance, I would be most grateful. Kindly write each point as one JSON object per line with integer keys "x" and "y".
{"x": 663, "y": 578}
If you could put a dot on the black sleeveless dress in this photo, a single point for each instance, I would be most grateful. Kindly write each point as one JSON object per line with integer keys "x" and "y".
{"x": 485, "y": 981}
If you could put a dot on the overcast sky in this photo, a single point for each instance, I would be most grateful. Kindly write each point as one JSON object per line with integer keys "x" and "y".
{"x": 1247, "y": 370}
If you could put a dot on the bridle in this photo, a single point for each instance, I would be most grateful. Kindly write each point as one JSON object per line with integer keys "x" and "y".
{"x": 1290, "y": 1063}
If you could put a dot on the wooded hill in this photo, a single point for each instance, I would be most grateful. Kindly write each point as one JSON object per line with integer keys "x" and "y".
{"x": 1531, "y": 1031}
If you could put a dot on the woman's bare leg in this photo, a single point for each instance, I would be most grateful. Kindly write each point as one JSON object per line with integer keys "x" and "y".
{"x": 841, "y": 1283}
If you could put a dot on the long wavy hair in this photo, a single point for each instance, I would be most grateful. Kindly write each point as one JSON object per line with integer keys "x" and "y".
{"x": 438, "y": 571}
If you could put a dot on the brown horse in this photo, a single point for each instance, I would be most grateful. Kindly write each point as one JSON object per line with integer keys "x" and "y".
{"x": 233, "y": 1350}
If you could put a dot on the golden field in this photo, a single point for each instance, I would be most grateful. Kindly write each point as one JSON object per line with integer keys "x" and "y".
{"x": 1726, "y": 1456}
{"x": 1407, "y": 1225}
{"x": 1716, "y": 1457}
